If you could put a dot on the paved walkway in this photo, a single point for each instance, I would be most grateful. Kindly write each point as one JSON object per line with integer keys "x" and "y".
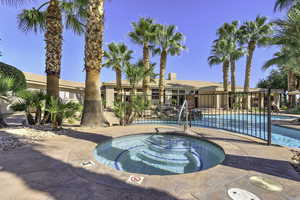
{"x": 51, "y": 170}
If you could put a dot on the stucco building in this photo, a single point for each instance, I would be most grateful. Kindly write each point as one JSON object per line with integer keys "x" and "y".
{"x": 175, "y": 91}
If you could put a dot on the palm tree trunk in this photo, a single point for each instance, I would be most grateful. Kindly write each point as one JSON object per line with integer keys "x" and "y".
{"x": 92, "y": 113}
{"x": 163, "y": 63}
{"x": 2, "y": 121}
{"x": 38, "y": 116}
{"x": 119, "y": 83}
{"x": 251, "y": 49}
{"x": 291, "y": 87}
{"x": 225, "y": 83}
{"x": 225, "y": 75}
{"x": 233, "y": 79}
{"x": 53, "y": 38}
{"x": 146, "y": 62}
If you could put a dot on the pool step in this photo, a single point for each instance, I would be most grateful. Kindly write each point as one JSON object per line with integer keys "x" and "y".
{"x": 193, "y": 164}
{"x": 161, "y": 160}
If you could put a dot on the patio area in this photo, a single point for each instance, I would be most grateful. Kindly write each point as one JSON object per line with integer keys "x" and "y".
{"x": 51, "y": 168}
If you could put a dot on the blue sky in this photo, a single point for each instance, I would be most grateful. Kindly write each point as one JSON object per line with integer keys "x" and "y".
{"x": 198, "y": 20}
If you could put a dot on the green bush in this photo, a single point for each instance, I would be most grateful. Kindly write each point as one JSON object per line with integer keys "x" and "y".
{"x": 127, "y": 112}
{"x": 14, "y": 73}
{"x": 59, "y": 111}
{"x": 295, "y": 111}
{"x": 30, "y": 102}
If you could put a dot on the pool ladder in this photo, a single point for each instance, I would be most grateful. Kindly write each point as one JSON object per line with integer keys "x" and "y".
{"x": 184, "y": 108}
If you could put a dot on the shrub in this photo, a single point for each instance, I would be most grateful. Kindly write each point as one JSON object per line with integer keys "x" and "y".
{"x": 59, "y": 111}
{"x": 295, "y": 111}
{"x": 127, "y": 112}
{"x": 14, "y": 73}
{"x": 30, "y": 102}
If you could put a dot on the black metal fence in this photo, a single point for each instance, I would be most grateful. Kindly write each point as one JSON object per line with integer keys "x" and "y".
{"x": 244, "y": 113}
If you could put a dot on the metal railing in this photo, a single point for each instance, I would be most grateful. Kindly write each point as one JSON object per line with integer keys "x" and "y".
{"x": 244, "y": 113}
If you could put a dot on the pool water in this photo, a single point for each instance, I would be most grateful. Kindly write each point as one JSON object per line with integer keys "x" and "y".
{"x": 159, "y": 154}
{"x": 252, "y": 125}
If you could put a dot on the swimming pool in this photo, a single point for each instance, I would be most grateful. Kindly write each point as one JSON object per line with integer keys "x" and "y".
{"x": 159, "y": 154}
{"x": 252, "y": 125}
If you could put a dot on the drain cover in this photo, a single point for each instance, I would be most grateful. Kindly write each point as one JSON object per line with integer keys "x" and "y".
{"x": 135, "y": 179}
{"x": 239, "y": 194}
{"x": 88, "y": 163}
{"x": 266, "y": 183}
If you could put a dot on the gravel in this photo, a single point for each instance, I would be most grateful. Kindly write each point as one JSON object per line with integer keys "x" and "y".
{"x": 12, "y": 138}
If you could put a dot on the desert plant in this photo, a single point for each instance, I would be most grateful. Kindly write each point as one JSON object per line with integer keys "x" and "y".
{"x": 30, "y": 102}
{"x": 127, "y": 112}
{"x": 59, "y": 111}
{"x": 70, "y": 110}
{"x": 53, "y": 108}
{"x": 6, "y": 86}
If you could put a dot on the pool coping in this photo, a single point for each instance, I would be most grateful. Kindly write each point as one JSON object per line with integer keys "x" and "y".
{"x": 220, "y": 168}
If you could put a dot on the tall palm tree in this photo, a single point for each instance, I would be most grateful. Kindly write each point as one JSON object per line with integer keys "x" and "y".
{"x": 287, "y": 37}
{"x": 117, "y": 57}
{"x": 220, "y": 55}
{"x": 49, "y": 18}
{"x": 50, "y": 21}
{"x": 144, "y": 33}
{"x": 254, "y": 34}
{"x": 92, "y": 111}
{"x": 169, "y": 42}
{"x": 228, "y": 37}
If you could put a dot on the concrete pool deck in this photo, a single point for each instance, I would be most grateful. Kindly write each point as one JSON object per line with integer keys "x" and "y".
{"x": 51, "y": 169}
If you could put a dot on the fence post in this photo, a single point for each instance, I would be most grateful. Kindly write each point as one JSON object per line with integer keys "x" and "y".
{"x": 269, "y": 126}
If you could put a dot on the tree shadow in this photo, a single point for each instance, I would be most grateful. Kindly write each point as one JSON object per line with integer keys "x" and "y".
{"x": 272, "y": 167}
{"x": 61, "y": 180}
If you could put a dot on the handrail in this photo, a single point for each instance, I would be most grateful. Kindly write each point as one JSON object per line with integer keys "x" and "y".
{"x": 185, "y": 104}
{"x": 181, "y": 110}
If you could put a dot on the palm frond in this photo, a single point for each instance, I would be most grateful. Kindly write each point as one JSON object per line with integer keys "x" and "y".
{"x": 31, "y": 20}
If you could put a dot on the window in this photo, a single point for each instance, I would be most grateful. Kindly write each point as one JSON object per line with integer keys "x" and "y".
{"x": 72, "y": 95}
{"x": 174, "y": 91}
{"x": 155, "y": 94}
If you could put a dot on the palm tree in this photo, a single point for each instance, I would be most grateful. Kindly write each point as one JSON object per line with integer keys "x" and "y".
{"x": 28, "y": 102}
{"x": 287, "y": 37}
{"x": 253, "y": 34}
{"x": 117, "y": 57}
{"x": 144, "y": 34}
{"x": 50, "y": 21}
{"x": 228, "y": 38}
{"x": 6, "y": 85}
{"x": 136, "y": 72}
{"x": 220, "y": 55}
{"x": 169, "y": 42}
{"x": 92, "y": 111}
